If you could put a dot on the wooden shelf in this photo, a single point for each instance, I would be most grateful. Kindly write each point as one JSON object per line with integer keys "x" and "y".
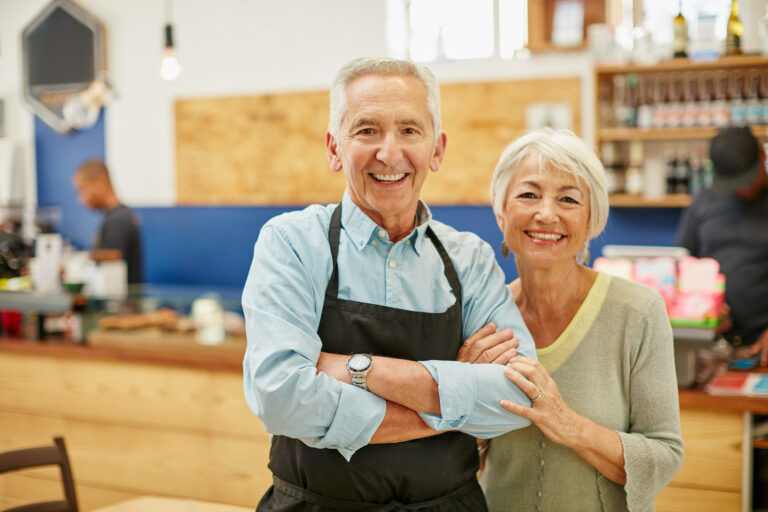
{"x": 760, "y": 443}
{"x": 638, "y": 201}
{"x": 628, "y": 134}
{"x": 742, "y": 61}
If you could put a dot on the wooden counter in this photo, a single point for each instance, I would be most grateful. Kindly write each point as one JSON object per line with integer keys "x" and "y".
{"x": 136, "y": 422}
{"x": 149, "y": 421}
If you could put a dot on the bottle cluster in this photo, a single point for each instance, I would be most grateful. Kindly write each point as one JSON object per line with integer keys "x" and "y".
{"x": 685, "y": 99}
{"x": 684, "y": 170}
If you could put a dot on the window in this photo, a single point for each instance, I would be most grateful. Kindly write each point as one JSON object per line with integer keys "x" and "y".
{"x": 432, "y": 30}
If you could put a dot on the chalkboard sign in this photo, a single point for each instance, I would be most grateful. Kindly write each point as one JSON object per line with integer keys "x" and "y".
{"x": 63, "y": 52}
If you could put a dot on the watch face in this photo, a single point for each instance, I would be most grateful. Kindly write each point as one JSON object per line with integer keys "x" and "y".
{"x": 359, "y": 362}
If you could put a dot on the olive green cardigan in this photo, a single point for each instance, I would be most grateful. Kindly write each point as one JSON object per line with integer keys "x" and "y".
{"x": 614, "y": 364}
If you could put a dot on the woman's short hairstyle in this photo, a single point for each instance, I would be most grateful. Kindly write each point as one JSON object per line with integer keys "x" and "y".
{"x": 556, "y": 149}
{"x": 380, "y": 66}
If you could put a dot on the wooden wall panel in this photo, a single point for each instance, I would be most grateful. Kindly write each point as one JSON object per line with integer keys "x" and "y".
{"x": 269, "y": 149}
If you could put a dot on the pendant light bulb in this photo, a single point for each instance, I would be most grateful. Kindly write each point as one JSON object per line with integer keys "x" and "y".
{"x": 169, "y": 66}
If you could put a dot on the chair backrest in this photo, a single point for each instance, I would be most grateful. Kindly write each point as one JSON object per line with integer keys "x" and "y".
{"x": 50, "y": 455}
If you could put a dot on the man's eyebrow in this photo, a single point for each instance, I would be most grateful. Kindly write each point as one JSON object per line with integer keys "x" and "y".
{"x": 362, "y": 121}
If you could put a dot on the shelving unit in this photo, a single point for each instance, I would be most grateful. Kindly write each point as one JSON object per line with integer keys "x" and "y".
{"x": 623, "y": 135}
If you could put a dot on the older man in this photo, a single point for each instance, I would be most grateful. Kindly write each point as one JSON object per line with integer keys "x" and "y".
{"x": 342, "y": 301}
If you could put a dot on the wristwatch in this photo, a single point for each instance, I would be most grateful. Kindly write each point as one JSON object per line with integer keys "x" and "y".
{"x": 359, "y": 365}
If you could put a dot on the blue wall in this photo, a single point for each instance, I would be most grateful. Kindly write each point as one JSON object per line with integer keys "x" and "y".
{"x": 213, "y": 245}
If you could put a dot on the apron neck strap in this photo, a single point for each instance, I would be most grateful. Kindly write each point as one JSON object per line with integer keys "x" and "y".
{"x": 334, "y": 233}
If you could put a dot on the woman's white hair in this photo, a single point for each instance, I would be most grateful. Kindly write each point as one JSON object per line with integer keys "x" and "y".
{"x": 556, "y": 149}
{"x": 380, "y": 66}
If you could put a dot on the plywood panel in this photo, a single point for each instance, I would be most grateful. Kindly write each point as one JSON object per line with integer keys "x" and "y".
{"x": 686, "y": 499}
{"x": 712, "y": 447}
{"x": 481, "y": 119}
{"x": 269, "y": 149}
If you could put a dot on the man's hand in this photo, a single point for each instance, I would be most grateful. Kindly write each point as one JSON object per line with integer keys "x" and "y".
{"x": 489, "y": 346}
{"x": 760, "y": 347}
{"x": 726, "y": 321}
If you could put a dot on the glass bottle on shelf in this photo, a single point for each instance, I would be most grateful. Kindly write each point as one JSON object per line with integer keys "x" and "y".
{"x": 608, "y": 157}
{"x": 682, "y": 170}
{"x": 736, "y": 101}
{"x": 645, "y": 100}
{"x": 753, "y": 105}
{"x": 671, "y": 173}
{"x": 619, "y": 100}
{"x": 690, "y": 107}
{"x": 634, "y": 177}
{"x": 630, "y": 109}
{"x": 604, "y": 104}
{"x": 675, "y": 103}
{"x": 680, "y": 33}
{"x": 764, "y": 95}
{"x": 660, "y": 103}
{"x": 734, "y": 31}
{"x": 696, "y": 184}
{"x": 721, "y": 112}
{"x": 704, "y": 115}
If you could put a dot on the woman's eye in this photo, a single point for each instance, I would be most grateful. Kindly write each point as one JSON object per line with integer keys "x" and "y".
{"x": 409, "y": 131}
{"x": 570, "y": 200}
{"x": 365, "y": 131}
{"x": 527, "y": 195}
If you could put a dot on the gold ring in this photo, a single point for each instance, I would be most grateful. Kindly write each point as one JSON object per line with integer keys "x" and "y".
{"x": 537, "y": 396}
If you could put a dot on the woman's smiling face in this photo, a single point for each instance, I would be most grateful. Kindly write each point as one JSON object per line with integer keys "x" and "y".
{"x": 546, "y": 217}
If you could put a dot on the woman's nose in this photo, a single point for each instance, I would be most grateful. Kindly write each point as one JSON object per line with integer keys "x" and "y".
{"x": 547, "y": 213}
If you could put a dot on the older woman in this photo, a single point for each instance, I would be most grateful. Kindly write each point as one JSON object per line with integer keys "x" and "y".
{"x": 606, "y": 426}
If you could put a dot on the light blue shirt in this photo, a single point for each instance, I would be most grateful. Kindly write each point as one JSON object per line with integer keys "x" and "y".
{"x": 283, "y": 301}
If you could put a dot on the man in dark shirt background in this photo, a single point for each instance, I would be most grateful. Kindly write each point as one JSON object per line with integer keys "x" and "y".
{"x": 729, "y": 222}
{"x": 119, "y": 230}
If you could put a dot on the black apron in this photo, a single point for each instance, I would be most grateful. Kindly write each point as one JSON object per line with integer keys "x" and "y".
{"x": 435, "y": 474}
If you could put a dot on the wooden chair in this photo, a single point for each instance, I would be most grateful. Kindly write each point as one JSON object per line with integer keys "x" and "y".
{"x": 49, "y": 455}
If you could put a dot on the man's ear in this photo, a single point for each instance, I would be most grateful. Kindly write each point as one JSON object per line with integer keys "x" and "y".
{"x": 332, "y": 150}
{"x": 439, "y": 152}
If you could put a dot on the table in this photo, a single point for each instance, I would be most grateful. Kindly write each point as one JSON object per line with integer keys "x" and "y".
{"x": 157, "y": 504}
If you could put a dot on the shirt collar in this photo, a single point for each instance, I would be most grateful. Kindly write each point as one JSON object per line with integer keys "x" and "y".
{"x": 361, "y": 229}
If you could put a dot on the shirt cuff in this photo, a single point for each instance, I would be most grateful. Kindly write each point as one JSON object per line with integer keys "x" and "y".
{"x": 357, "y": 418}
{"x": 457, "y": 388}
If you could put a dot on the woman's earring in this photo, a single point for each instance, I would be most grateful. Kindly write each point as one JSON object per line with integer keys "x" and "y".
{"x": 504, "y": 249}
{"x": 585, "y": 256}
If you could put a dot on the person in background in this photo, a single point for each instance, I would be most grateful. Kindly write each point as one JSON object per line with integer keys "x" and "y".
{"x": 119, "y": 229}
{"x": 729, "y": 222}
{"x": 606, "y": 423}
{"x": 375, "y": 276}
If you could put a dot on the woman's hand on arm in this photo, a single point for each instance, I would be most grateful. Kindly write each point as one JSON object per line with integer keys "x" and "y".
{"x": 598, "y": 446}
{"x": 489, "y": 346}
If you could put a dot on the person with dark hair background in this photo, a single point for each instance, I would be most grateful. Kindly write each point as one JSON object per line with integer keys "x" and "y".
{"x": 119, "y": 230}
{"x": 729, "y": 222}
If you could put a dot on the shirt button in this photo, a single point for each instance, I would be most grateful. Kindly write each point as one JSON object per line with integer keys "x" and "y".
{"x": 382, "y": 233}
{"x": 373, "y": 242}
{"x": 538, "y": 494}
{"x": 392, "y": 264}
{"x": 408, "y": 242}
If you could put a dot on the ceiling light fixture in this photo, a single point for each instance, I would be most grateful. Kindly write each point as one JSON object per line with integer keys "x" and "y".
{"x": 169, "y": 66}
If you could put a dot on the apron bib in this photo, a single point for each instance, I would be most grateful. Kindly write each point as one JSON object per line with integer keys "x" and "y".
{"x": 432, "y": 474}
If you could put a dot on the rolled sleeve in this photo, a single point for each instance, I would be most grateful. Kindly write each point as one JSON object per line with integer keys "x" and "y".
{"x": 356, "y": 420}
{"x": 469, "y": 399}
{"x": 457, "y": 388}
